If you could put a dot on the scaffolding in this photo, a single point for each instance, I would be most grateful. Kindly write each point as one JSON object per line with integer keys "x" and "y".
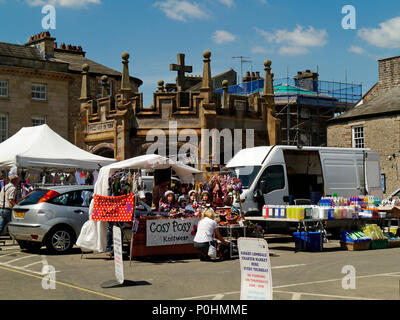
{"x": 304, "y": 105}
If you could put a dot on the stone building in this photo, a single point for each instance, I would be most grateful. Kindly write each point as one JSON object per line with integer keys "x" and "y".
{"x": 40, "y": 82}
{"x": 177, "y": 119}
{"x": 375, "y": 123}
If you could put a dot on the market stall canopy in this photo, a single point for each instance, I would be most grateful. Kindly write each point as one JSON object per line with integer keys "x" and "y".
{"x": 148, "y": 162}
{"x": 41, "y": 147}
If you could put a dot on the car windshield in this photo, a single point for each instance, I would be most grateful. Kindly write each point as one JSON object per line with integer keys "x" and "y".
{"x": 246, "y": 174}
{"x": 32, "y": 198}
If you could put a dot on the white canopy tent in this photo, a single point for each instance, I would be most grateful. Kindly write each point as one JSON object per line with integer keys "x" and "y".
{"x": 148, "y": 162}
{"x": 41, "y": 147}
{"x": 93, "y": 233}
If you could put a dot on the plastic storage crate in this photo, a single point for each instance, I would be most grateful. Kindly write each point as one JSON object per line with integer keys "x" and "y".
{"x": 379, "y": 244}
{"x": 313, "y": 241}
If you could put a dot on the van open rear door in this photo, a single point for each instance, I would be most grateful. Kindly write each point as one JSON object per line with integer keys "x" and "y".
{"x": 373, "y": 182}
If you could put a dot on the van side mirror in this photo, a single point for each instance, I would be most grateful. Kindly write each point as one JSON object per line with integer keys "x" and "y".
{"x": 263, "y": 186}
{"x": 258, "y": 194}
{"x": 286, "y": 199}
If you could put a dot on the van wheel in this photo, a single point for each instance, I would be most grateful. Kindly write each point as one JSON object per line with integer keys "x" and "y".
{"x": 60, "y": 240}
{"x": 29, "y": 245}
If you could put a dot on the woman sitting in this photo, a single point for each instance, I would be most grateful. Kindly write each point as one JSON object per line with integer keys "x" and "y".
{"x": 168, "y": 204}
{"x": 206, "y": 228}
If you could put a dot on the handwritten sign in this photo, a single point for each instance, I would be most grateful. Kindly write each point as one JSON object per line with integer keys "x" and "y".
{"x": 255, "y": 266}
{"x": 166, "y": 232}
{"x": 116, "y": 209}
{"x": 118, "y": 259}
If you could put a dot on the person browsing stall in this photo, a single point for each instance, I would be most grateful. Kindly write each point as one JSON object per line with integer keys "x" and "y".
{"x": 206, "y": 229}
{"x": 8, "y": 197}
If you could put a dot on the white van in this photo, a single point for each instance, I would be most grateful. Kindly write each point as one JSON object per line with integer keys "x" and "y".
{"x": 277, "y": 174}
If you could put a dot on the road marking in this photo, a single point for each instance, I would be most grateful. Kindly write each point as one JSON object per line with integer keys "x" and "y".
{"x": 31, "y": 264}
{"x": 332, "y": 280}
{"x": 210, "y": 295}
{"x": 295, "y": 284}
{"x": 8, "y": 254}
{"x": 63, "y": 284}
{"x": 8, "y": 262}
{"x": 289, "y": 266}
{"x": 298, "y": 294}
{"x": 218, "y": 297}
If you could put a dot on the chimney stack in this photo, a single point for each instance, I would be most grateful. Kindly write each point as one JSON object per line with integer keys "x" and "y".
{"x": 44, "y": 42}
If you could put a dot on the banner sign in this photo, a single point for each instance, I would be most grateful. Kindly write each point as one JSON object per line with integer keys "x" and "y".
{"x": 116, "y": 209}
{"x": 255, "y": 266}
{"x": 166, "y": 232}
{"x": 118, "y": 259}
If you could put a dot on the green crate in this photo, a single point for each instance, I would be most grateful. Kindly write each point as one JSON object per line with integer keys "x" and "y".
{"x": 379, "y": 244}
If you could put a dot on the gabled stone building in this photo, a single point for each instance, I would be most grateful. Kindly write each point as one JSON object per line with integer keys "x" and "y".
{"x": 122, "y": 126}
{"x": 40, "y": 82}
{"x": 375, "y": 123}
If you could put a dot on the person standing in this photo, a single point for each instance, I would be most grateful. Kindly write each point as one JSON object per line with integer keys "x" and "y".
{"x": 8, "y": 197}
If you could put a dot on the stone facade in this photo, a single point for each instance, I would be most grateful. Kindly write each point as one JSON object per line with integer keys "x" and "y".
{"x": 19, "y": 106}
{"x": 379, "y": 115}
{"x": 41, "y": 61}
{"x": 381, "y": 134}
{"x": 124, "y": 126}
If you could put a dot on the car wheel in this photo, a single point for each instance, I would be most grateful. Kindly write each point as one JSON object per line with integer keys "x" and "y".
{"x": 29, "y": 245}
{"x": 60, "y": 240}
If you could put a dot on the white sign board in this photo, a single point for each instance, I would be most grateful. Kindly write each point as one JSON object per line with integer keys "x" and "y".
{"x": 166, "y": 232}
{"x": 255, "y": 266}
{"x": 118, "y": 260}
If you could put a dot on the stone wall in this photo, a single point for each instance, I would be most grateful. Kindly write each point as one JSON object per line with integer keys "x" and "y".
{"x": 381, "y": 134}
{"x": 21, "y": 108}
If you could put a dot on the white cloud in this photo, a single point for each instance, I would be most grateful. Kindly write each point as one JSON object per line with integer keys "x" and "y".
{"x": 62, "y": 3}
{"x": 297, "y": 41}
{"x": 292, "y": 51}
{"x": 357, "y": 50}
{"x": 182, "y": 10}
{"x": 229, "y": 3}
{"x": 222, "y": 36}
{"x": 387, "y": 35}
{"x": 261, "y": 50}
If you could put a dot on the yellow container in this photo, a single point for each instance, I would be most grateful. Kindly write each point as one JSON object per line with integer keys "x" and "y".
{"x": 302, "y": 213}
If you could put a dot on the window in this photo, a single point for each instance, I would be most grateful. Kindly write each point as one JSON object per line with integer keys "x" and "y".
{"x": 275, "y": 178}
{"x": 38, "y": 121}
{"x": 39, "y": 92}
{"x": 3, "y": 88}
{"x": 358, "y": 137}
{"x": 3, "y": 127}
{"x": 109, "y": 88}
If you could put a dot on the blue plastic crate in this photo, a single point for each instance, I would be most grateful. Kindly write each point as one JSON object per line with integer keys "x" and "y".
{"x": 313, "y": 241}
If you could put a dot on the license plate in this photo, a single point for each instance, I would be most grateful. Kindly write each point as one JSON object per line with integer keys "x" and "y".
{"x": 19, "y": 214}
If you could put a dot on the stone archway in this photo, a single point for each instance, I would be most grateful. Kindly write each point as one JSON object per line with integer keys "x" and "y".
{"x": 104, "y": 150}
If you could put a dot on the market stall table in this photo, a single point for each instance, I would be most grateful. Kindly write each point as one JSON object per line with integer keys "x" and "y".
{"x": 303, "y": 225}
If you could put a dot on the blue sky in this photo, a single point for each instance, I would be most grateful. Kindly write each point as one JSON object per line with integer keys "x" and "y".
{"x": 295, "y": 35}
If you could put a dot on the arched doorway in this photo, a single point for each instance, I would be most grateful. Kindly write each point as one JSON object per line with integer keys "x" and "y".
{"x": 104, "y": 150}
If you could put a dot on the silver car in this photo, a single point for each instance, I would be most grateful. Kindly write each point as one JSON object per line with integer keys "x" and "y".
{"x": 51, "y": 216}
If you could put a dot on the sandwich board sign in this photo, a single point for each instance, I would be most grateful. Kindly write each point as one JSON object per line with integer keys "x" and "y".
{"x": 255, "y": 267}
{"x": 118, "y": 260}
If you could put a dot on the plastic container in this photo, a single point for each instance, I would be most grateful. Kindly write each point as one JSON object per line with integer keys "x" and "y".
{"x": 313, "y": 241}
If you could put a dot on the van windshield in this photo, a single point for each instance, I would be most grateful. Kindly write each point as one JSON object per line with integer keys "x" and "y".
{"x": 246, "y": 174}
